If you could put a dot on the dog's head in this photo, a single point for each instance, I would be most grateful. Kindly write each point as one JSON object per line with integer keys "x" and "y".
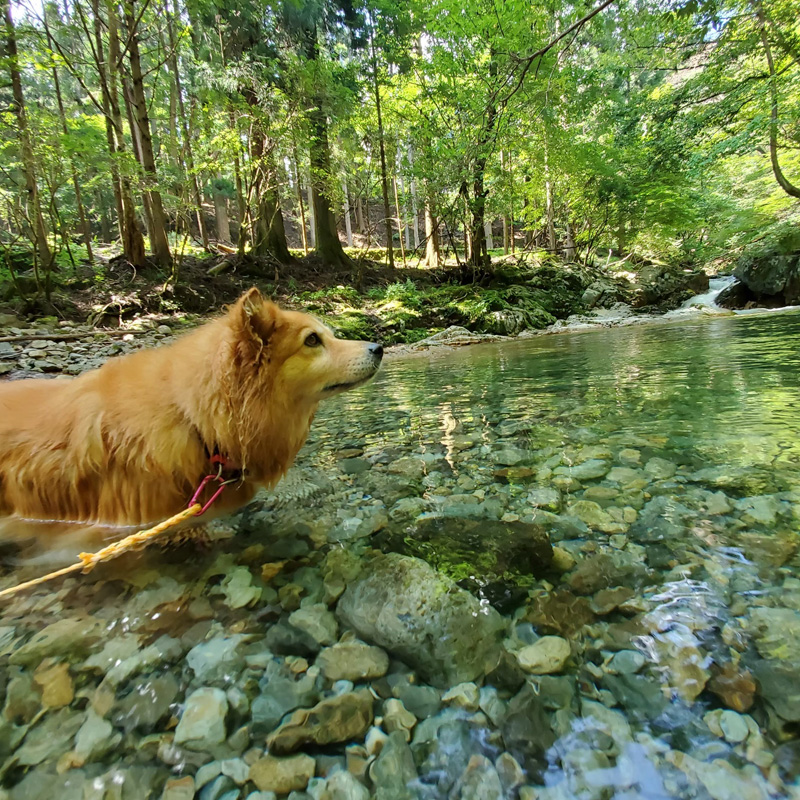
{"x": 298, "y": 354}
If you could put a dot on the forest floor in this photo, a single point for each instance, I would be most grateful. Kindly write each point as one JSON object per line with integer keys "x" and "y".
{"x": 367, "y": 300}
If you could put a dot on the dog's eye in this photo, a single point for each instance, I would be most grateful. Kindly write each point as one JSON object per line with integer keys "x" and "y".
{"x": 313, "y": 340}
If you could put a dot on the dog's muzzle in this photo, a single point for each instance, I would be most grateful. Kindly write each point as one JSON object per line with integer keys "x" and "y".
{"x": 376, "y": 351}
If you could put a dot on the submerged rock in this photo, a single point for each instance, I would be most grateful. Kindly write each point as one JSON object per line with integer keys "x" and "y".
{"x": 202, "y": 725}
{"x": 218, "y": 659}
{"x": 545, "y": 656}
{"x": 282, "y": 775}
{"x": 734, "y": 686}
{"x": 394, "y": 770}
{"x": 492, "y": 558}
{"x": 337, "y": 719}
{"x": 64, "y": 637}
{"x": 559, "y": 611}
{"x": 423, "y": 618}
{"x": 605, "y": 570}
{"x": 281, "y": 692}
{"x": 353, "y": 661}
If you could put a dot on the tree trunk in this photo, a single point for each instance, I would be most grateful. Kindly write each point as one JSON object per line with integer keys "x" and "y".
{"x": 621, "y": 242}
{"x": 405, "y": 220}
{"x": 299, "y": 195}
{"x": 130, "y": 232}
{"x": 41, "y": 246}
{"x": 85, "y": 228}
{"x": 783, "y": 181}
{"x": 347, "y": 222}
{"x": 487, "y": 232}
{"x": 432, "y": 255}
{"x": 268, "y": 235}
{"x": 414, "y": 206}
{"x": 221, "y": 216}
{"x": 570, "y": 249}
{"x": 104, "y": 92}
{"x": 187, "y": 138}
{"x": 326, "y": 237}
{"x": 241, "y": 210}
{"x": 158, "y": 233}
{"x": 136, "y": 146}
{"x": 312, "y": 220}
{"x": 549, "y": 208}
{"x": 387, "y": 214}
{"x": 479, "y": 255}
{"x": 362, "y": 228}
{"x": 400, "y": 233}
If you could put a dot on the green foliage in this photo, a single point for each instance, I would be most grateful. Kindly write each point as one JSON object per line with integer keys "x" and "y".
{"x": 647, "y": 131}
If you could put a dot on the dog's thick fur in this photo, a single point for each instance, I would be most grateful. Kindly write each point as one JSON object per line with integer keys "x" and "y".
{"x": 126, "y": 444}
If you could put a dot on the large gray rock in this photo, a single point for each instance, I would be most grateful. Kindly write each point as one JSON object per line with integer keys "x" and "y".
{"x": 405, "y": 606}
{"x": 772, "y": 278}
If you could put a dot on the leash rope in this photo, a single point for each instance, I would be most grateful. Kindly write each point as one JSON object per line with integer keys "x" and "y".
{"x": 136, "y": 541}
{"x": 88, "y": 561}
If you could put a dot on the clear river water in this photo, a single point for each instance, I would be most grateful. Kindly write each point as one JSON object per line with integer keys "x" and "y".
{"x": 616, "y": 514}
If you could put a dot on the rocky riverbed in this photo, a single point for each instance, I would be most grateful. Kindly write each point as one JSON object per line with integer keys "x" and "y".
{"x": 576, "y": 585}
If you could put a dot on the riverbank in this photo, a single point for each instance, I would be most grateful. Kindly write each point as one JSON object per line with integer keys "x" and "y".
{"x": 530, "y": 291}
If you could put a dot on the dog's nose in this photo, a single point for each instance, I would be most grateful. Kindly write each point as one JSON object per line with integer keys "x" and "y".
{"x": 376, "y": 350}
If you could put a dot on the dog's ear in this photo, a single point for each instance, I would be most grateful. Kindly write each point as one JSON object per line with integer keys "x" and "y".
{"x": 254, "y": 318}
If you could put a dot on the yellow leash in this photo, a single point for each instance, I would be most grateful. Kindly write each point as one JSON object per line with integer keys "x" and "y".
{"x": 133, "y": 542}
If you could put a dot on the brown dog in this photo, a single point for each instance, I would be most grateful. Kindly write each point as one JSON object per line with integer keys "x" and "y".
{"x": 128, "y": 443}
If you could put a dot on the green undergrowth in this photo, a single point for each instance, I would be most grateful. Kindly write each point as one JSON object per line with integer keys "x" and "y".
{"x": 407, "y": 311}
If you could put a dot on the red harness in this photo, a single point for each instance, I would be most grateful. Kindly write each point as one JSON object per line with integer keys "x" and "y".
{"x": 223, "y": 466}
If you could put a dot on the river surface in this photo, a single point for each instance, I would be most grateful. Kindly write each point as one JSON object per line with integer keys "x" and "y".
{"x": 623, "y": 508}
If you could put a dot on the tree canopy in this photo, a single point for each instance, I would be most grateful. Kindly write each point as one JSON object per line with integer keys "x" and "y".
{"x": 665, "y": 128}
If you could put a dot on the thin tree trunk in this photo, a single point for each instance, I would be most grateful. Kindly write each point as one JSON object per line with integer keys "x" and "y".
{"x": 400, "y": 233}
{"x": 414, "y": 206}
{"x": 362, "y": 228}
{"x": 570, "y": 249}
{"x": 347, "y": 223}
{"x": 783, "y": 181}
{"x": 549, "y": 207}
{"x": 85, "y": 228}
{"x": 487, "y": 232}
{"x": 299, "y": 193}
{"x": 106, "y": 104}
{"x": 221, "y": 216}
{"x": 268, "y": 234}
{"x": 241, "y": 209}
{"x": 158, "y": 234}
{"x": 312, "y": 221}
{"x": 187, "y": 138}
{"x": 479, "y": 255}
{"x": 131, "y": 233}
{"x": 406, "y": 225}
{"x": 326, "y": 237}
{"x": 506, "y": 240}
{"x": 41, "y": 246}
{"x": 136, "y": 146}
{"x": 387, "y": 214}
{"x": 432, "y": 255}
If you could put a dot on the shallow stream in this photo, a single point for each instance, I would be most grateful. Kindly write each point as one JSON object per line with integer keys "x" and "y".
{"x": 616, "y": 514}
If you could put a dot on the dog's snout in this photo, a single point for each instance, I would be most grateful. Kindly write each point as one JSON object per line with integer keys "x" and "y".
{"x": 376, "y": 350}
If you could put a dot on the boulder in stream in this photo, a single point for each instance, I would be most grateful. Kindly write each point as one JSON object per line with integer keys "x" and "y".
{"x": 422, "y": 617}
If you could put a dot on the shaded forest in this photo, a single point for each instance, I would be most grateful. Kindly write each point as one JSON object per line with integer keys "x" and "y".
{"x": 339, "y": 142}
